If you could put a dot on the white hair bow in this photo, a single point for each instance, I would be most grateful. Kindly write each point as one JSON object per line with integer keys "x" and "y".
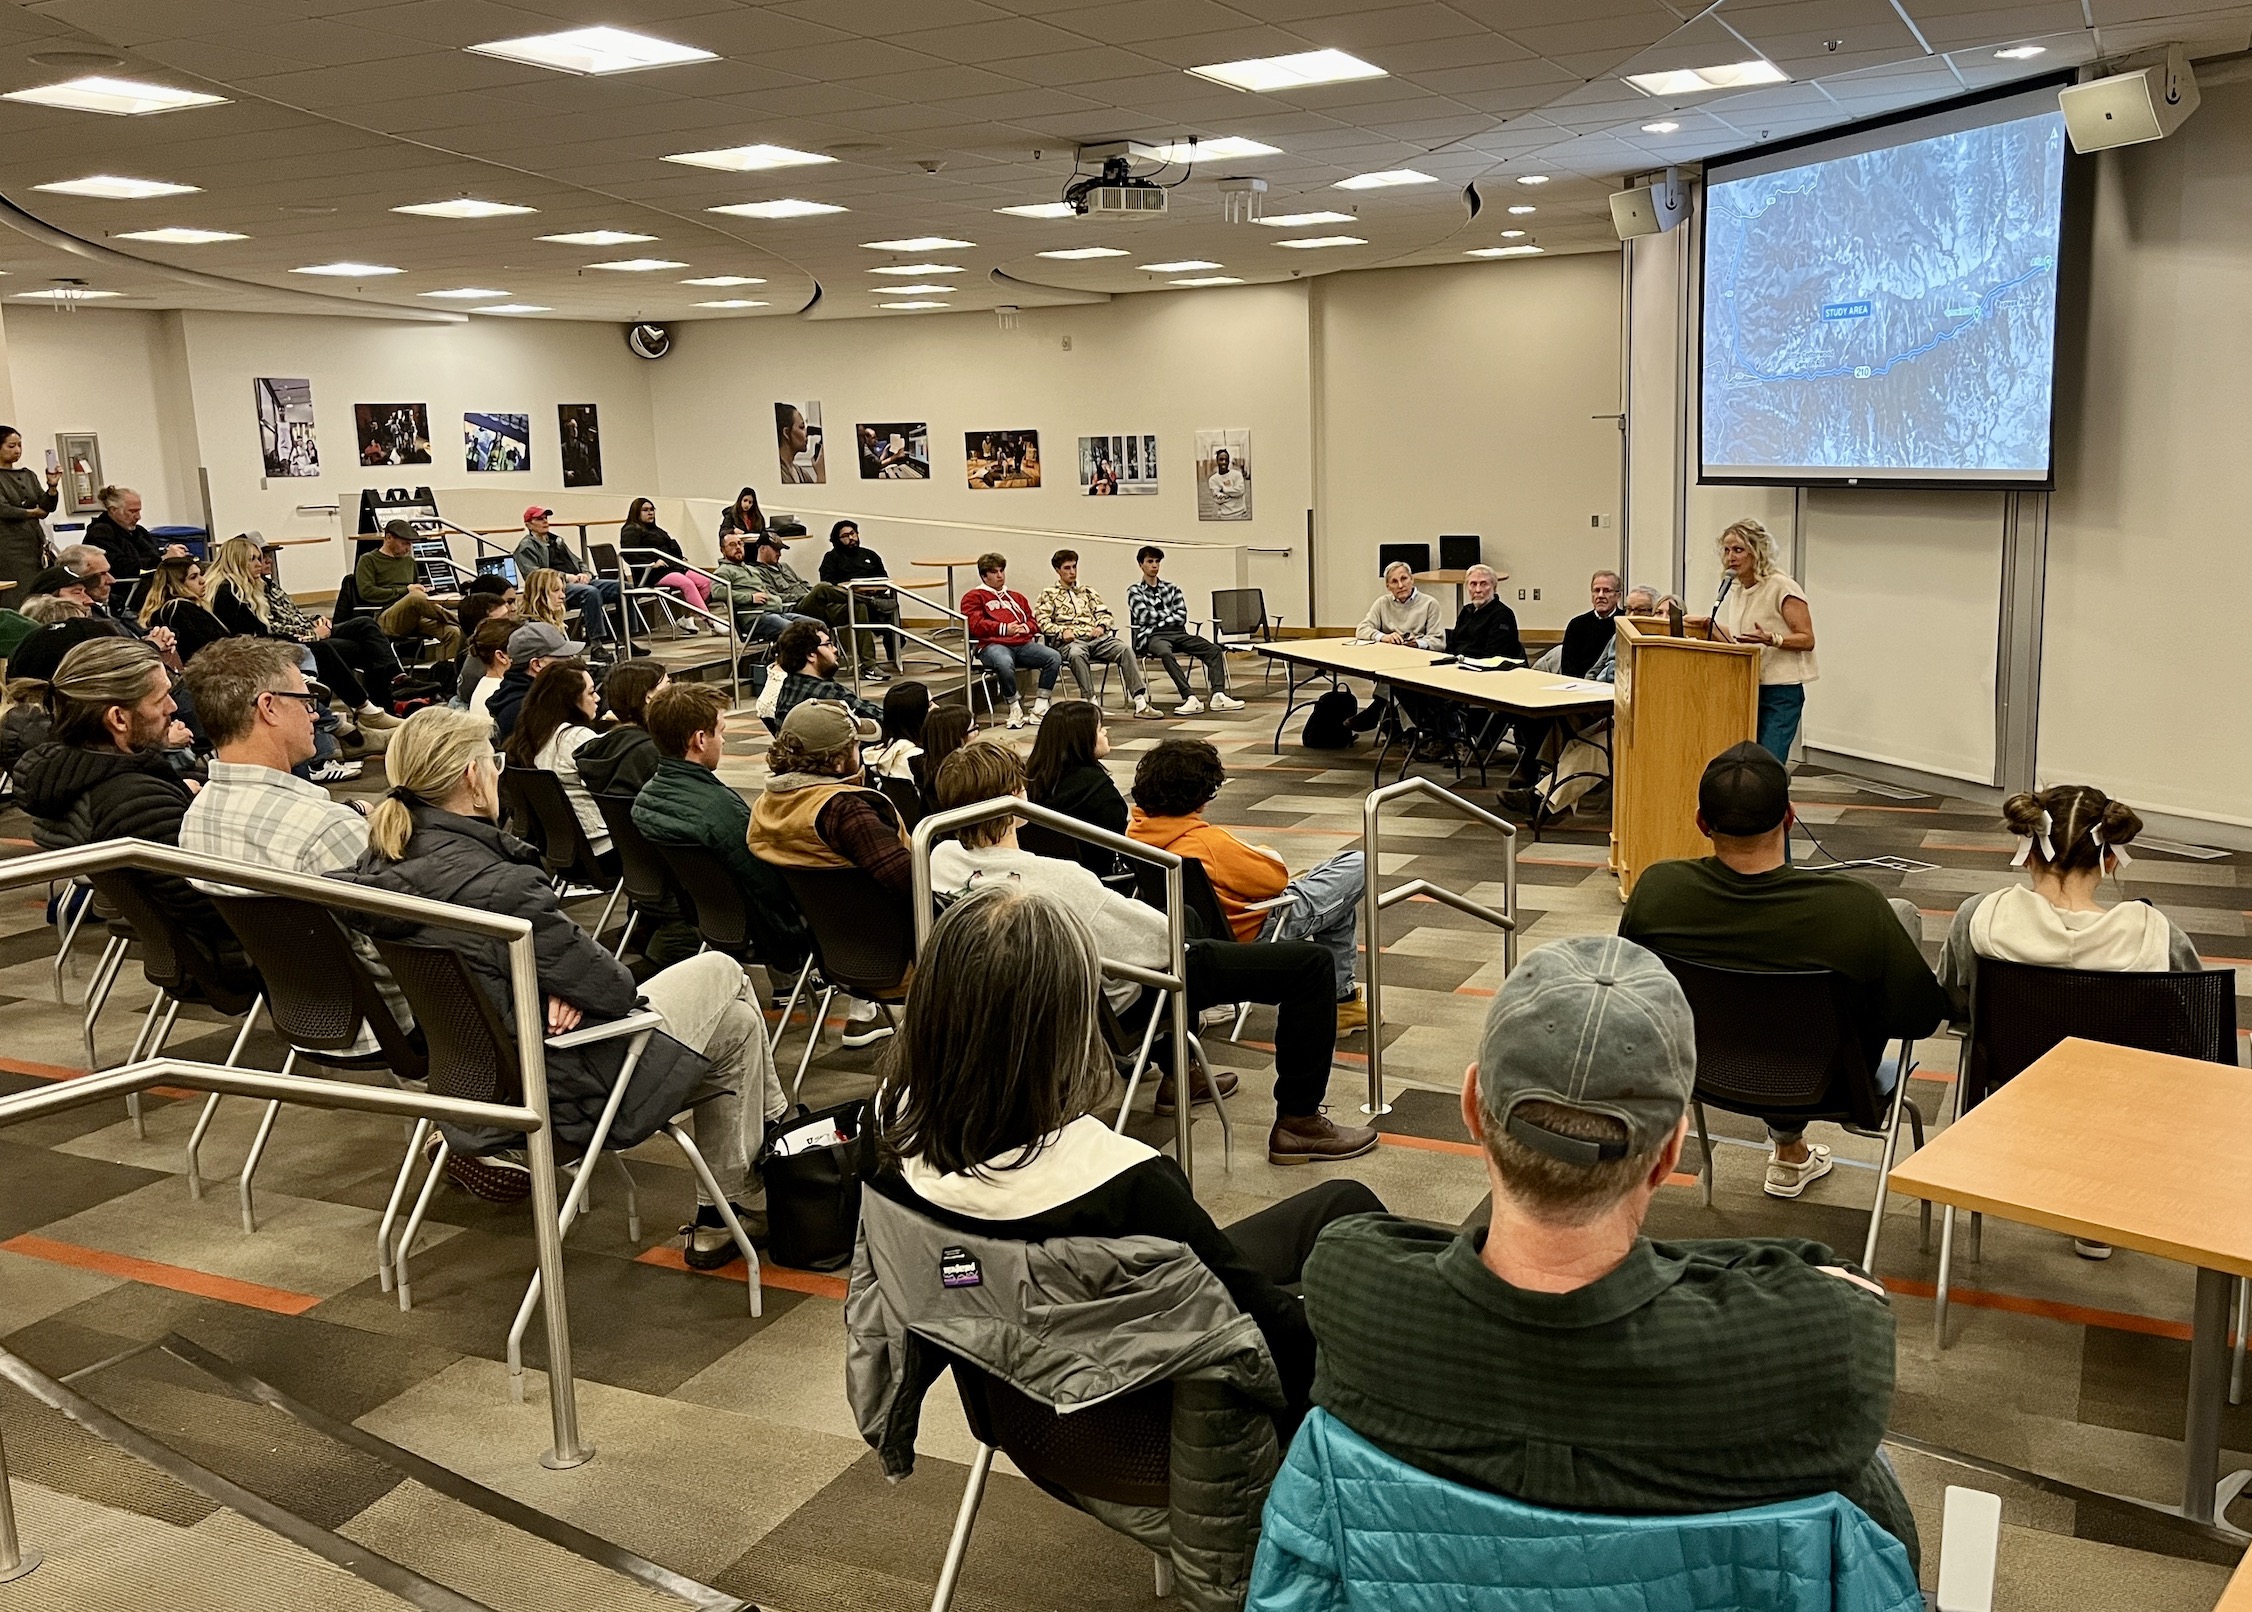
{"x": 2119, "y": 856}
{"x": 2048, "y": 852}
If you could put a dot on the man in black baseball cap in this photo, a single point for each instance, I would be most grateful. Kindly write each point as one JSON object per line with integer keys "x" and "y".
{"x": 1745, "y": 907}
{"x": 1555, "y": 1354}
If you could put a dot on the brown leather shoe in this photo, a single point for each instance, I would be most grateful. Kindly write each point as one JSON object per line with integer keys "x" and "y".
{"x": 1200, "y": 1086}
{"x": 1316, "y": 1139}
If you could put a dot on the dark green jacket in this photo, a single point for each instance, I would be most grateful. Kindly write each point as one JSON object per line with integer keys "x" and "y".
{"x": 684, "y": 804}
{"x": 382, "y": 580}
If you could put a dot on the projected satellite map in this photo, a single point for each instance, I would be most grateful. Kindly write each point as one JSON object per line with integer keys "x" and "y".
{"x": 1890, "y": 314}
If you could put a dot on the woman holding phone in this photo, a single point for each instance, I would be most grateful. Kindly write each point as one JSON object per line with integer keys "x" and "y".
{"x": 25, "y": 501}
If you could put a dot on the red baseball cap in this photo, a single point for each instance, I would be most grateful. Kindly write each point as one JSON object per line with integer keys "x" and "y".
{"x": 538, "y": 512}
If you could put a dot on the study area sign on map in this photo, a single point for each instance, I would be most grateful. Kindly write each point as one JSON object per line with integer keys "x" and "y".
{"x": 1887, "y": 314}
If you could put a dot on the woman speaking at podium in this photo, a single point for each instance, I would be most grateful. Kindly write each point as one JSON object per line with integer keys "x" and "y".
{"x": 1760, "y": 604}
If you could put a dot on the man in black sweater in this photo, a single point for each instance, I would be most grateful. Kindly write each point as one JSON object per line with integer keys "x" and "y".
{"x": 850, "y": 560}
{"x": 1585, "y": 639}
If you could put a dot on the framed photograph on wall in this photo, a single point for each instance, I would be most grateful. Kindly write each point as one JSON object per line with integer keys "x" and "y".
{"x": 285, "y": 425}
{"x": 496, "y": 443}
{"x": 392, "y": 433}
{"x": 1223, "y": 475}
{"x": 798, "y": 444}
{"x": 896, "y": 450}
{"x": 581, "y": 432}
{"x": 1110, "y": 466}
{"x": 1001, "y": 459}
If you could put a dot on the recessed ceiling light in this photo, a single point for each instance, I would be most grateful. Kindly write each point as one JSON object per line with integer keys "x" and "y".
{"x": 1226, "y": 148}
{"x": 906, "y": 290}
{"x": 1504, "y": 251}
{"x": 908, "y": 306}
{"x": 1385, "y": 180}
{"x": 1691, "y": 80}
{"x": 918, "y": 268}
{"x": 1294, "y": 220}
{"x": 2021, "y": 53}
{"x": 1077, "y": 252}
{"x": 1209, "y": 279}
{"x": 726, "y": 279}
{"x": 787, "y": 207}
{"x": 349, "y": 271}
{"x": 597, "y": 237}
{"x": 1668, "y": 126}
{"x": 749, "y": 159}
{"x": 639, "y": 265}
{"x": 1532, "y": 179}
{"x": 1041, "y": 210}
{"x": 67, "y": 293}
{"x": 464, "y": 207}
{"x": 593, "y": 50}
{"x": 919, "y": 243}
{"x": 118, "y": 97}
{"x": 1324, "y": 240}
{"x": 515, "y": 307}
{"x": 1521, "y": 210}
{"x": 182, "y": 237}
{"x": 1269, "y": 73}
{"x": 1512, "y": 234}
{"x": 1187, "y": 265}
{"x": 732, "y": 302}
{"x": 465, "y": 293}
{"x": 111, "y": 188}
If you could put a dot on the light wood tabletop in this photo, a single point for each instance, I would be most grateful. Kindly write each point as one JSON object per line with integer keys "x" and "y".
{"x": 1519, "y": 689}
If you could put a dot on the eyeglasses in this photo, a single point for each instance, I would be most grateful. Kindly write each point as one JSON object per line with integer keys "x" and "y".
{"x": 500, "y": 761}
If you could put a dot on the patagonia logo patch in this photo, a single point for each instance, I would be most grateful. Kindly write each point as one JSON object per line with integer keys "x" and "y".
{"x": 958, "y": 1268}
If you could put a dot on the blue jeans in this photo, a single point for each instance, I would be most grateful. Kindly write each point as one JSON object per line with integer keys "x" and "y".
{"x": 589, "y": 600}
{"x": 769, "y": 625}
{"x": 1325, "y": 909}
{"x": 1003, "y": 660}
{"x": 1779, "y": 708}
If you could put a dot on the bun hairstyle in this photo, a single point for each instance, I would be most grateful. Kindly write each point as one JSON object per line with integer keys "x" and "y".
{"x": 2068, "y": 828}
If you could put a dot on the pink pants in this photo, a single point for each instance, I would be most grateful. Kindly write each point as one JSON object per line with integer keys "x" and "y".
{"x": 695, "y": 589}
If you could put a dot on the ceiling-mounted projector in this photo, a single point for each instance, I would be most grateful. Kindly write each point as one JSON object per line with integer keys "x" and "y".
{"x": 2126, "y": 109}
{"x": 1650, "y": 209}
{"x": 1117, "y": 192}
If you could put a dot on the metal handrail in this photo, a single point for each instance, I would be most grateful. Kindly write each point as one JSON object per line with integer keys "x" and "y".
{"x": 1175, "y": 981}
{"x": 852, "y": 591}
{"x": 1374, "y": 902}
{"x": 532, "y": 1118}
{"x": 673, "y": 601}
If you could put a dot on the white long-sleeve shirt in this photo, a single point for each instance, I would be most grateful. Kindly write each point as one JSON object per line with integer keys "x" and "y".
{"x": 1415, "y": 618}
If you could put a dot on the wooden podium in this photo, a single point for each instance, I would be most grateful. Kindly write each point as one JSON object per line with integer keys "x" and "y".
{"x": 1680, "y": 702}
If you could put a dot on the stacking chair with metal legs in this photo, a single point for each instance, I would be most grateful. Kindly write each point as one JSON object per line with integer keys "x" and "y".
{"x": 716, "y": 905}
{"x": 642, "y": 872}
{"x": 863, "y": 941}
{"x": 564, "y": 848}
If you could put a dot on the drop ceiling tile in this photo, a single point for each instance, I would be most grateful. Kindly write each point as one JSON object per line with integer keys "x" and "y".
{"x": 1019, "y": 105}
{"x": 1234, "y": 44}
{"x": 1088, "y": 64}
{"x": 750, "y": 33}
{"x": 938, "y": 81}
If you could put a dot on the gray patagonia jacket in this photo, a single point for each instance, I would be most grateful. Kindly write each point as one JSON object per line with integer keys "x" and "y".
{"x": 1072, "y": 1323}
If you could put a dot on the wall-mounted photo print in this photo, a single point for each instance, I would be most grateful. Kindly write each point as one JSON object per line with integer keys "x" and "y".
{"x": 285, "y": 426}
{"x": 1109, "y": 466}
{"x": 798, "y": 444}
{"x": 582, "y": 444}
{"x": 392, "y": 433}
{"x": 1223, "y": 475}
{"x": 496, "y": 442}
{"x": 1002, "y": 459}
{"x": 898, "y": 450}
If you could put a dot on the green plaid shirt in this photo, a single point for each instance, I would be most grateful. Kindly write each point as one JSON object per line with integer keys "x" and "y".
{"x": 1698, "y": 1376}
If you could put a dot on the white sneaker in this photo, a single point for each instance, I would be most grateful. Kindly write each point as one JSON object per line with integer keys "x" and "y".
{"x": 1786, "y": 1180}
{"x": 1039, "y": 709}
{"x": 1226, "y": 702}
{"x": 1192, "y": 706}
{"x": 1016, "y": 713}
{"x": 1142, "y": 708}
{"x": 336, "y": 772}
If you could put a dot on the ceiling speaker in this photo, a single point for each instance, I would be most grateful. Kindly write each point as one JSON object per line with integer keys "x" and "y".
{"x": 648, "y": 341}
{"x": 1650, "y": 209}
{"x": 2127, "y": 109}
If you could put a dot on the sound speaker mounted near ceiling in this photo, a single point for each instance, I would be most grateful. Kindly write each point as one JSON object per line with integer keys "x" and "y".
{"x": 1650, "y": 209}
{"x": 648, "y": 341}
{"x": 2124, "y": 109}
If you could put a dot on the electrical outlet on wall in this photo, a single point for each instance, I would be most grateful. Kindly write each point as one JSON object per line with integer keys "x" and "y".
{"x": 1520, "y": 594}
{"x": 1067, "y": 344}
{"x": 1598, "y": 522}
{"x": 1536, "y": 595}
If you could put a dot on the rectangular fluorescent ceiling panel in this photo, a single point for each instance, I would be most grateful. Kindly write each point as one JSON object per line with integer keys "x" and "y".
{"x": 1227, "y": 148}
{"x": 116, "y": 97}
{"x": 597, "y": 237}
{"x": 1324, "y": 240}
{"x": 787, "y": 207}
{"x": 1267, "y": 74}
{"x": 464, "y": 207}
{"x": 919, "y": 243}
{"x": 349, "y": 271}
{"x": 1187, "y": 265}
{"x": 1041, "y": 210}
{"x": 639, "y": 265}
{"x": 1296, "y": 220}
{"x": 918, "y": 268}
{"x": 1077, "y": 253}
{"x": 515, "y": 307}
{"x": 726, "y": 279}
{"x": 907, "y": 290}
{"x": 749, "y": 159}
{"x": 1211, "y": 279}
{"x": 66, "y": 293}
{"x": 910, "y": 305}
{"x": 593, "y": 50}
{"x": 1384, "y": 181}
{"x": 1504, "y": 251}
{"x": 182, "y": 237}
{"x": 465, "y": 293}
{"x": 732, "y": 302}
{"x": 1695, "y": 80}
{"x": 109, "y": 187}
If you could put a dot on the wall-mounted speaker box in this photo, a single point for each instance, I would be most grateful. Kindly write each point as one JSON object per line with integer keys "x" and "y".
{"x": 1417, "y": 556}
{"x": 1650, "y": 209}
{"x": 1459, "y": 553}
{"x": 2127, "y": 109}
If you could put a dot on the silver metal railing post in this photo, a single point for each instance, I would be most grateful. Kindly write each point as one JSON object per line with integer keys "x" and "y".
{"x": 15, "y": 1561}
{"x": 724, "y": 618}
{"x": 1175, "y": 979}
{"x": 1374, "y": 901}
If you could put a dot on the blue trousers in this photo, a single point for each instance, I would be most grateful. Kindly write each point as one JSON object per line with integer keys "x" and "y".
{"x": 1005, "y": 659}
{"x": 1326, "y": 910}
{"x": 588, "y": 599}
{"x": 1779, "y": 708}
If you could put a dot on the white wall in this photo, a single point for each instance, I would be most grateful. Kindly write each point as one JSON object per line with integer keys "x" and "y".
{"x": 82, "y": 369}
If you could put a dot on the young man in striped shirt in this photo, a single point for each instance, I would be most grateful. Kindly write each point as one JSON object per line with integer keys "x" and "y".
{"x": 1158, "y": 614}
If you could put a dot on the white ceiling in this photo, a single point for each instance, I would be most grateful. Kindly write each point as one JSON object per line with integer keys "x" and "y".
{"x": 340, "y": 110}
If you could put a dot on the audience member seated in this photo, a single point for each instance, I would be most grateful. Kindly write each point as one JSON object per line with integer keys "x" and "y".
{"x": 1157, "y": 614}
{"x": 907, "y": 706}
{"x": 778, "y": 588}
{"x": 1403, "y": 614}
{"x": 1485, "y": 628}
{"x": 479, "y": 604}
{"x": 236, "y": 596}
{"x": 945, "y": 730}
{"x": 621, "y": 760}
{"x": 542, "y": 549}
{"x": 532, "y": 648}
{"x": 1588, "y": 639}
{"x": 641, "y": 532}
{"x": 1558, "y": 1356}
{"x": 1745, "y": 907}
{"x": 1173, "y": 783}
{"x": 850, "y": 560}
{"x": 42, "y": 650}
{"x": 986, "y": 1124}
{"x": 742, "y": 518}
{"x": 117, "y": 531}
{"x": 175, "y": 600}
{"x": 555, "y": 721}
{"x": 115, "y": 766}
{"x": 17, "y": 625}
{"x": 25, "y": 722}
{"x": 435, "y": 835}
{"x": 1077, "y": 624}
{"x": 1007, "y": 636}
{"x": 1066, "y": 774}
{"x": 386, "y": 579}
{"x": 760, "y": 615}
{"x": 488, "y": 654}
{"x": 806, "y": 656}
{"x": 684, "y": 803}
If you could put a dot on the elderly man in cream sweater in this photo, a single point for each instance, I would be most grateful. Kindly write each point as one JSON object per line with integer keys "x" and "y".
{"x": 1402, "y": 614}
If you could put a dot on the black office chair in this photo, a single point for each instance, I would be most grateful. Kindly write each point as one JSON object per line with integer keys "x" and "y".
{"x": 651, "y": 891}
{"x": 1785, "y": 1046}
{"x": 905, "y": 797}
{"x": 715, "y": 906}
{"x": 565, "y": 850}
{"x": 1240, "y": 619}
{"x": 863, "y": 943}
{"x": 516, "y": 813}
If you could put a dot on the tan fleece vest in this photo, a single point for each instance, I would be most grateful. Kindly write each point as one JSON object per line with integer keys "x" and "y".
{"x": 783, "y": 826}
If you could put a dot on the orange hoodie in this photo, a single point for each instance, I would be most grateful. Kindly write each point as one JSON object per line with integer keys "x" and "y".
{"x": 1239, "y": 873}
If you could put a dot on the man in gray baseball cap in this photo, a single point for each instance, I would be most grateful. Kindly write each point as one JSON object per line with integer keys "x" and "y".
{"x": 1555, "y": 1354}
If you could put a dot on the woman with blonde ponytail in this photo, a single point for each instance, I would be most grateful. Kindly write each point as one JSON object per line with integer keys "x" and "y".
{"x": 436, "y": 834}
{"x": 1760, "y": 604}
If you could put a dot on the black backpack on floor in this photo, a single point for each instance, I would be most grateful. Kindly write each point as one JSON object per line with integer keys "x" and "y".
{"x": 1329, "y": 726}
